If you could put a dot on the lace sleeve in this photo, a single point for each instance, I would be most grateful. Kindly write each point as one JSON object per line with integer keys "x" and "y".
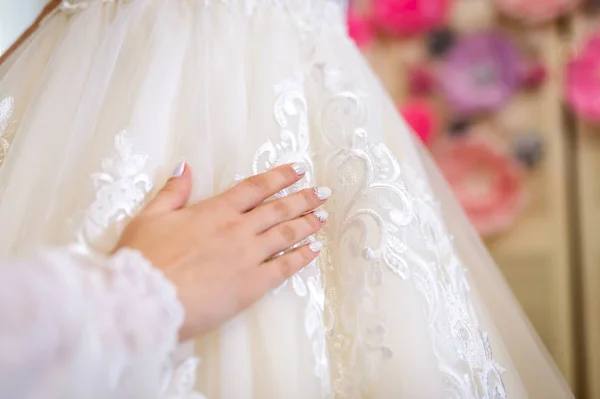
{"x": 83, "y": 327}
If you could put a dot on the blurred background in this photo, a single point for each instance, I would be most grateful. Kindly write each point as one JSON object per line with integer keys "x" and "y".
{"x": 506, "y": 96}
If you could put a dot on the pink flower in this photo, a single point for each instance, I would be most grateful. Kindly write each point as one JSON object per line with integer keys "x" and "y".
{"x": 421, "y": 117}
{"x": 486, "y": 181}
{"x": 535, "y": 11}
{"x": 583, "y": 80}
{"x": 359, "y": 28}
{"x": 481, "y": 73}
{"x": 410, "y": 17}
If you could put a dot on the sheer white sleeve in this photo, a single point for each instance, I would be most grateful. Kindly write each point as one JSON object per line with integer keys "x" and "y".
{"x": 83, "y": 327}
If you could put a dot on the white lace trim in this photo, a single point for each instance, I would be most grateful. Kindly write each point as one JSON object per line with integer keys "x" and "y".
{"x": 181, "y": 380}
{"x": 291, "y": 113}
{"x": 121, "y": 188}
{"x": 372, "y": 200}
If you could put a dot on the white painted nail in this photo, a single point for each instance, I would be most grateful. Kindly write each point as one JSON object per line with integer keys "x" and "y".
{"x": 322, "y": 215}
{"x": 315, "y": 246}
{"x": 300, "y": 168}
{"x": 178, "y": 171}
{"x": 323, "y": 193}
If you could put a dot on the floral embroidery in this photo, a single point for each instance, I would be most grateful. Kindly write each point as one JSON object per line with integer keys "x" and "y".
{"x": 291, "y": 113}
{"x": 382, "y": 218}
{"x": 6, "y": 111}
{"x": 181, "y": 380}
{"x": 120, "y": 188}
{"x": 293, "y": 144}
{"x": 361, "y": 175}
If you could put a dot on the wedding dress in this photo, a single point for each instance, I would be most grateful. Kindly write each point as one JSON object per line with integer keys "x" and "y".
{"x": 404, "y": 300}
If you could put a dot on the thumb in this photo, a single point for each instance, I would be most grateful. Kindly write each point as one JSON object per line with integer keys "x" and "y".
{"x": 174, "y": 194}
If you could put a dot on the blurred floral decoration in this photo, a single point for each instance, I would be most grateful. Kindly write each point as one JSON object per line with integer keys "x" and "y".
{"x": 421, "y": 116}
{"x": 582, "y": 80}
{"x": 409, "y": 17}
{"x": 480, "y": 73}
{"x": 360, "y": 29}
{"x": 467, "y": 76}
{"x": 485, "y": 180}
{"x": 536, "y": 11}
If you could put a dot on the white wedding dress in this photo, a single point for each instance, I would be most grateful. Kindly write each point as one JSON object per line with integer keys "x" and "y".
{"x": 404, "y": 301}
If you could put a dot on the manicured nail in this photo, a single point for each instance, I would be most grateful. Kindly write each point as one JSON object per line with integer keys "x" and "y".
{"x": 323, "y": 193}
{"x": 178, "y": 171}
{"x": 322, "y": 215}
{"x": 300, "y": 168}
{"x": 315, "y": 246}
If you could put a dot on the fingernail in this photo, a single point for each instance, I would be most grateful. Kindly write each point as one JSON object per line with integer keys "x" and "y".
{"x": 321, "y": 214}
{"x": 178, "y": 171}
{"x": 300, "y": 168}
{"x": 315, "y": 246}
{"x": 323, "y": 193}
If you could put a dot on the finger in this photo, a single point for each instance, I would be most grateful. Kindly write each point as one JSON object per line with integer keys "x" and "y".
{"x": 285, "y": 235}
{"x": 254, "y": 190}
{"x": 271, "y": 213}
{"x": 174, "y": 194}
{"x": 273, "y": 273}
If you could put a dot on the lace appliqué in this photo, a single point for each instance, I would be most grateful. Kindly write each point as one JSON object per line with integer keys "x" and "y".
{"x": 377, "y": 222}
{"x": 6, "y": 111}
{"x": 361, "y": 175}
{"x": 181, "y": 381}
{"x": 293, "y": 145}
{"x": 120, "y": 189}
{"x": 482, "y": 376}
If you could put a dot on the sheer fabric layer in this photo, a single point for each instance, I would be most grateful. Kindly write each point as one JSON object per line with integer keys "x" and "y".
{"x": 101, "y": 103}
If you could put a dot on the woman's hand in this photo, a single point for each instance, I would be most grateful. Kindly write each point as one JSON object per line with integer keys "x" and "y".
{"x": 220, "y": 252}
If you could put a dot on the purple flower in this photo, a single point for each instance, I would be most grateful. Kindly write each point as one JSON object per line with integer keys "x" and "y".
{"x": 480, "y": 73}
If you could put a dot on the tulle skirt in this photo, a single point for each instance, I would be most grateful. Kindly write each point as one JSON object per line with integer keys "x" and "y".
{"x": 404, "y": 301}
